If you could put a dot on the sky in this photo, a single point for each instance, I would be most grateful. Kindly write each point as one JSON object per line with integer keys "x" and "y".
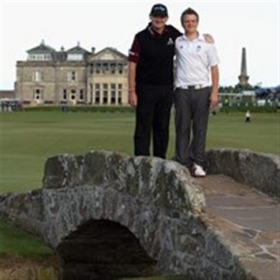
{"x": 234, "y": 24}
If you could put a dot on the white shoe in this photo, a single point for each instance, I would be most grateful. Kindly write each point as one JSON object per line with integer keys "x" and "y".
{"x": 198, "y": 171}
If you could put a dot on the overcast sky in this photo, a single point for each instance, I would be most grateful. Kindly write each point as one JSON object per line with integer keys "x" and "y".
{"x": 99, "y": 24}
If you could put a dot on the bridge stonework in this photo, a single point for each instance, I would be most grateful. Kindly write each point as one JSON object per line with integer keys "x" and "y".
{"x": 260, "y": 170}
{"x": 110, "y": 215}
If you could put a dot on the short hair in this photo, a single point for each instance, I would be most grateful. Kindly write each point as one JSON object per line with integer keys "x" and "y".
{"x": 189, "y": 11}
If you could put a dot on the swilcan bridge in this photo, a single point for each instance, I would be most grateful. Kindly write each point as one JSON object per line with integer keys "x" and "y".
{"x": 109, "y": 215}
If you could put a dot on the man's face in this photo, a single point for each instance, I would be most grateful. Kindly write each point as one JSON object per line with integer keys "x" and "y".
{"x": 190, "y": 23}
{"x": 158, "y": 22}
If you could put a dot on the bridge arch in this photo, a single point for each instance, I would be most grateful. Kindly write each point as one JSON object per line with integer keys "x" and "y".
{"x": 101, "y": 249}
{"x": 145, "y": 197}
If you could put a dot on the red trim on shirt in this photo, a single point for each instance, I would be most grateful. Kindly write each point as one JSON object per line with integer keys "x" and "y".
{"x": 134, "y": 52}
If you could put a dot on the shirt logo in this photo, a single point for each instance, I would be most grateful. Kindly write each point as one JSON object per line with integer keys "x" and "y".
{"x": 198, "y": 48}
{"x": 132, "y": 53}
{"x": 170, "y": 42}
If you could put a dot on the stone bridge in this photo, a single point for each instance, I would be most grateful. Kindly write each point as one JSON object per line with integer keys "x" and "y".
{"x": 109, "y": 216}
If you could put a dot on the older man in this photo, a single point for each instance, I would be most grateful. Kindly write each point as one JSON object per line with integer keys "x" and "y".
{"x": 151, "y": 82}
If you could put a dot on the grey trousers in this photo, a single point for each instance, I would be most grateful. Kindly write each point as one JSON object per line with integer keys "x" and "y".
{"x": 191, "y": 114}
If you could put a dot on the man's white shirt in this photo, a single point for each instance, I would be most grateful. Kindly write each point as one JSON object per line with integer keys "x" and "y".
{"x": 194, "y": 60}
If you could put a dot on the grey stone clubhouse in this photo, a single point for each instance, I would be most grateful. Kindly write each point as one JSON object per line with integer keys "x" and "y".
{"x": 74, "y": 77}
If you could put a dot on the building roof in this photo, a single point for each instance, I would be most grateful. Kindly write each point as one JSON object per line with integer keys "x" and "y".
{"x": 110, "y": 49}
{"x": 78, "y": 49}
{"x": 60, "y": 56}
{"x": 42, "y": 48}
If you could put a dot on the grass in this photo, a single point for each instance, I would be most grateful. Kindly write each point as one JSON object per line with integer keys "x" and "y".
{"x": 15, "y": 242}
{"x": 262, "y": 135}
{"x": 28, "y": 138}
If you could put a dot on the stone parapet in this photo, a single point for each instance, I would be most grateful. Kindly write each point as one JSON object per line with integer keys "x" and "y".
{"x": 259, "y": 170}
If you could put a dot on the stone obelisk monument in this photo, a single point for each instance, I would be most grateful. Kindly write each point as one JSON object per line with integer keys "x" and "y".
{"x": 243, "y": 78}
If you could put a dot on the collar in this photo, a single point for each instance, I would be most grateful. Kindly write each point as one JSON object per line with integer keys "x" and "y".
{"x": 200, "y": 37}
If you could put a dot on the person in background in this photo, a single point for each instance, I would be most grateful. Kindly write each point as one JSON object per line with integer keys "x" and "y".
{"x": 151, "y": 82}
{"x": 196, "y": 60}
{"x": 248, "y": 117}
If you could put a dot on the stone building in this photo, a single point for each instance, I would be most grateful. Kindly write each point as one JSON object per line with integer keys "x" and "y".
{"x": 75, "y": 77}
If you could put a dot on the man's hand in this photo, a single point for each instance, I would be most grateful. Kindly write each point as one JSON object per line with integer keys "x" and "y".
{"x": 132, "y": 98}
{"x": 208, "y": 38}
{"x": 214, "y": 99}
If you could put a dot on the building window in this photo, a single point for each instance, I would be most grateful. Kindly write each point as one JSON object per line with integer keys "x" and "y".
{"x": 113, "y": 94}
{"x": 37, "y": 76}
{"x": 75, "y": 57}
{"x": 37, "y": 94}
{"x": 72, "y": 76}
{"x": 64, "y": 96}
{"x": 91, "y": 68}
{"x": 113, "y": 68}
{"x": 39, "y": 57}
{"x": 73, "y": 94}
{"x": 97, "y": 93}
{"x": 105, "y": 93}
{"x": 120, "y": 97}
{"x": 120, "y": 87}
{"x": 81, "y": 94}
{"x": 105, "y": 97}
{"x": 97, "y": 68}
{"x": 120, "y": 68}
{"x": 105, "y": 67}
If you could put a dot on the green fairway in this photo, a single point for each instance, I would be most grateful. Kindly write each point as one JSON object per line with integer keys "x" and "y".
{"x": 15, "y": 242}
{"x": 28, "y": 138}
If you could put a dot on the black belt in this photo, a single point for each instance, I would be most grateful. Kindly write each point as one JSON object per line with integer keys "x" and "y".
{"x": 194, "y": 87}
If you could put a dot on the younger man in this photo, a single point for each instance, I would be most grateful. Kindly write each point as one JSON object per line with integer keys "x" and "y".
{"x": 196, "y": 59}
